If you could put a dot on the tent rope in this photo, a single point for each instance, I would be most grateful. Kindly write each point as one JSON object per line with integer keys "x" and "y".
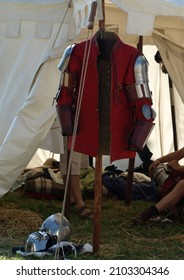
{"x": 61, "y": 24}
{"x": 79, "y": 101}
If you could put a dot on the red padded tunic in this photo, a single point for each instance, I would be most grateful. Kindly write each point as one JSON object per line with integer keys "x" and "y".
{"x": 122, "y": 111}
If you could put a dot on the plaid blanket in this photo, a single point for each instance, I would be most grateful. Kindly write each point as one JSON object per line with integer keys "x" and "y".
{"x": 41, "y": 187}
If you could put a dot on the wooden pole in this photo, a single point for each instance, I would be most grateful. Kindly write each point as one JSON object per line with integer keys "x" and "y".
{"x": 68, "y": 186}
{"x": 97, "y": 204}
{"x": 98, "y": 180}
{"x": 173, "y": 114}
{"x": 140, "y": 43}
{"x": 128, "y": 194}
{"x": 102, "y": 21}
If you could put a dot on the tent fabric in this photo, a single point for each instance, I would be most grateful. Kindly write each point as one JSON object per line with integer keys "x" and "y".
{"x": 145, "y": 11}
{"x": 173, "y": 57}
{"x": 33, "y": 35}
{"x": 160, "y": 141}
{"x": 28, "y": 80}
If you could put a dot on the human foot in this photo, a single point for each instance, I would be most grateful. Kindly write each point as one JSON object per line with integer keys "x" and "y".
{"x": 85, "y": 212}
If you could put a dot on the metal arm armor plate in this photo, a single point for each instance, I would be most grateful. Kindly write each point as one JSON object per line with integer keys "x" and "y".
{"x": 141, "y": 77}
{"x": 67, "y": 85}
{"x": 65, "y": 58}
{"x": 140, "y": 89}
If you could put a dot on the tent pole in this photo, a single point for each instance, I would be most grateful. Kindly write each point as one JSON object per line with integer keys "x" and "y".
{"x": 97, "y": 203}
{"x": 173, "y": 114}
{"x": 128, "y": 194}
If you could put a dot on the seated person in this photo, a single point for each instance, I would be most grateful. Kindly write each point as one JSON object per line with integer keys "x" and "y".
{"x": 172, "y": 189}
{"x": 78, "y": 161}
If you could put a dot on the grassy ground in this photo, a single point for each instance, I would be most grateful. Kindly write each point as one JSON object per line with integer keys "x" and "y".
{"x": 119, "y": 238}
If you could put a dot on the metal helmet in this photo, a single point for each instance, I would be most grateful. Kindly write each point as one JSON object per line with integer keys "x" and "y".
{"x": 57, "y": 226}
{"x": 38, "y": 241}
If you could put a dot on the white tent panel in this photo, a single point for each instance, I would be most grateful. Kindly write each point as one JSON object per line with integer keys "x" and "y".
{"x": 179, "y": 113}
{"x": 29, "y": 126}
{"x": 142, "y": 13}
{"x": 29, "y": 80}
{"x": 40, "y": 157}
{"x": 33, "y": 35}
{"x": 163, "y": 130}
{"x": 173, "y": 57}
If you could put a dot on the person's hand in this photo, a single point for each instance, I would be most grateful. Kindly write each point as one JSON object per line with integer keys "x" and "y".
{"x": 174, "y": 165}
{"x": 153, "y": 166}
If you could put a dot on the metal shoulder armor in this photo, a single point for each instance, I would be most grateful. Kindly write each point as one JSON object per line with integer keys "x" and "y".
{"x": 141, "y": 77}
{"x": 65, "y": 58}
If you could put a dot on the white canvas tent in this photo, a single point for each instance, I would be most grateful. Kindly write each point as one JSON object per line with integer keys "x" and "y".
{"x": 33, "y": 35}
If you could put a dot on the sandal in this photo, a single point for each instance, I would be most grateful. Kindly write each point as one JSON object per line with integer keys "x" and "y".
{"x": 85, "y": 213}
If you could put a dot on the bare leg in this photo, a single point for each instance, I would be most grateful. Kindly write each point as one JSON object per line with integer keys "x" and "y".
{"x": 172, "y": 198}
{"x": 168, "y": 201}
{"x": 75, "y": 191}
{"x": 76, "y": 196}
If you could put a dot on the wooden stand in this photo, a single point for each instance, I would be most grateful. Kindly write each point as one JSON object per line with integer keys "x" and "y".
{"x": 98, "y": 198}
{"x": 68, "y": 186}
{"x": 97, "y": 204}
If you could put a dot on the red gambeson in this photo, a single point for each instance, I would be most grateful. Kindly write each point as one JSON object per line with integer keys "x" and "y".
{"x": 123, "y": 112}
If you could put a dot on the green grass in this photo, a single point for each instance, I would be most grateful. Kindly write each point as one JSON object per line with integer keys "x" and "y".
{"x": 119, "y": 238}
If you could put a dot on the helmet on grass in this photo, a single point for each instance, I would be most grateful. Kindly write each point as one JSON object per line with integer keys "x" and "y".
{"x": 55, "y": 228}
{"x": 38, "y": 241}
